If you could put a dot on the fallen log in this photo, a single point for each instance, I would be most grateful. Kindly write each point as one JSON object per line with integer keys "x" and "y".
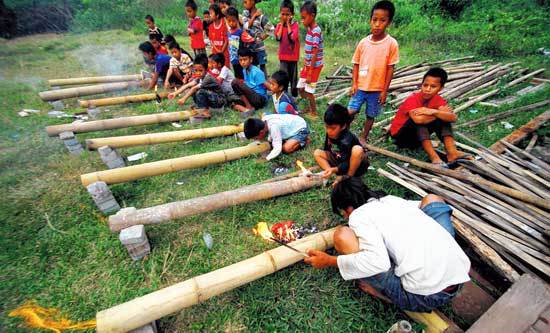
{"x": 95, "y": 79}
{"x": 164, "y": 137}
{"x": 54, "y": 95}
{"x": 162, "y": 213}
{"x": 91, "y": 103}
{"x": 126, "y": 174}
{"x": 522, "y": 132}
{"x": 122, "y": 122}
{"x": 501, "y": 115}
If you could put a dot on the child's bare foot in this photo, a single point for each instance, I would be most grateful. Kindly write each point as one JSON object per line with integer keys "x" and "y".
{"x": 363, "y": 141}
{"x": 367, "y": 288}
{"x": 458, "y": 155}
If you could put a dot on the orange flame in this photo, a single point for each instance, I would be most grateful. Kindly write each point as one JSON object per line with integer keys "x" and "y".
{"x": 48, "y": 318}
{"x": 261, "y": 229}
{"x": 305, "y": 171}
{"x": 156, "y": 88}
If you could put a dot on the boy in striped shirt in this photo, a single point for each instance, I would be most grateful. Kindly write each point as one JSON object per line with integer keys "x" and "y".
{"x": 313, "y": 55}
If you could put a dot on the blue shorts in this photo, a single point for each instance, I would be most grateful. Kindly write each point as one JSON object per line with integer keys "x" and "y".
{"x": 301, "y": 137}
{"x": 261, "y": 57}
{"x": 390, "y": 285}
{"x": 373, "y": 107}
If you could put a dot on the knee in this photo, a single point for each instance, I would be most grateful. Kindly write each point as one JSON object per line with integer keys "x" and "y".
{"x": 318, "y": 153}
{"x": 357, "y": 152}
{"x": 428, "y": 199}
{"x": 345, "y": 240}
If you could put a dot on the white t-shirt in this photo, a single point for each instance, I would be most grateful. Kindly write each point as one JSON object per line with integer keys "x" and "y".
{"x": 426, "y": 256}
{"x": 227, "y": 76}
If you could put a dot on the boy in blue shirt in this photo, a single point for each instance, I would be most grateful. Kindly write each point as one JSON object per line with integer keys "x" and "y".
{"x": 251, "y": 90}
{"x": 161, "y": 63}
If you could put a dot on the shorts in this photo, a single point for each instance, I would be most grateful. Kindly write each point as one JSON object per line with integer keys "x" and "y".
{"x": 361, "y": 170}
{"x": 261, "y": 57}
{"x": 301, "y": 137}
{"x": 373, "y": 107}
{"x": 309, "y": 87}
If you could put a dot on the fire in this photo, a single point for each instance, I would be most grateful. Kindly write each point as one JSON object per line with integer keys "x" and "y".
{"x": 305, "y": 171}
{"x": 261, "y": 229}
{"x": 284, "y": 231}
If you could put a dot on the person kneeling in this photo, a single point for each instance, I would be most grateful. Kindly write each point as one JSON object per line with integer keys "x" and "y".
{"x": 401, "y": 251}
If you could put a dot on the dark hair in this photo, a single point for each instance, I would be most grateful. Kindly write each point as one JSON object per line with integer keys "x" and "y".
{"x": 227, "y": 2}
{"x": 253, "y": 127}
{"x": 216, "y": 9}
{"x": 245, "y": 52}
{"x": 218, "y": 58}
{"x": 191, "y": 4}
{"x": 150, "y": 18}
{"x": 384, "y": 5}
{"x": 147, "y": 47}
{"x": 437, "y": 72}
{"x": 336, "y": 114}
{"x": 155, "y": 37}
{"x": 288, "y": 4}
{"x": 281, "y": 77}
{"x": 205, "y": 12}
{"x": 232, "y": 12}
{"x": 351, "y": 192}
{"x": 169, "y": 39}
{"x": 175, "y": 45}
{"x": 202, "y": 60}
{"x": 309, "y": 7}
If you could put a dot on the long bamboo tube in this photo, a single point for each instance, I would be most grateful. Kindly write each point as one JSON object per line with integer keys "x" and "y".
{"x": 520, "y": 133}
{"x": 145, "y": 309}
{"x": 122, "y": 122}
{"x": 173, "y": 210}
{"x": 121, "y": 100}
{"x": 164, "y": 137}
{"x": 95, "y": 79}
{"x": 54, "y": 95}
{"x": 121, "y": 175}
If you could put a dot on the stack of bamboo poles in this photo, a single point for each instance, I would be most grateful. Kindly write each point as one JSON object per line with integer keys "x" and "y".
{"x": 503, "y": 198}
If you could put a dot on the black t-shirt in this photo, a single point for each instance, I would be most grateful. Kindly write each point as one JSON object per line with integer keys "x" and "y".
{"x": 340, "y": 149}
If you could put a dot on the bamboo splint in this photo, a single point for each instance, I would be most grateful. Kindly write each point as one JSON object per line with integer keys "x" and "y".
{"x": 54, "y": 95}
{"x": 121, "y": 100}
{"x": 95, "y": 79}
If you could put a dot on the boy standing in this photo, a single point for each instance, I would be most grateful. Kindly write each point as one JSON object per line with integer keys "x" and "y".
{"x": 373, "y": 65}
{"x": 423, "y": 113}
{"x": 251, "y": 90}
{"x": 313, "y": 58}
{"x": 287, "y": 33}
{"x": 161, "y": 63}
{"x": 195, "y": 28}
{"x": 258, "y": 26}
{"x": 152, "y": 28}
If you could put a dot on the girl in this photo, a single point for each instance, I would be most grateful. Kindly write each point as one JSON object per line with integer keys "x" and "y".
{"x": 217, "y": 33}
{"x": 181, "y": 64}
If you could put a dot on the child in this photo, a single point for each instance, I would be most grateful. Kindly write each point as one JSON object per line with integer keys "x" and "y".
{"x": 423, "y": 113}
{"x": 206, "y": 21}
{"x": 373, "y": 64}
{"x": 217, "y": 33}
{"x": 161, "y": 63}
{"x": 223, "y": 74}
{"x": 278, "y": 85}
{"x": 204, "y": 88}
{"x": 342, "y": 153}
{"x": 195, "y": 28}
{"x": 181, "y": 64}
{"x": 287, "y": 132}
{"x": 153, "y": 29}
{"x": 236, "y": 41}
{"x": 258, "y": 26}
{"x": 224, "y": 5}
{"x": 313, "y": 58}
{"x": 287, "y": 33}
{"x": 252, "y": 90}
{"x": 156, "y": 42}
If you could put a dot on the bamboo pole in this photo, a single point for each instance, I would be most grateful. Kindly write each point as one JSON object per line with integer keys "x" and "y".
{"x": 122, "y": 122}
{"x": 164, "y": 137}
{"x": 54, "y": 95}
{"x": 95, "y": 79}
{"x": 500, "y": 115}
{"x": 145, "y": 309}
{"x": 525, "y": 77}
{"x": 121, "y": 100}
{"x": 520, "y": 133}
{"x": 178, "y": 209}
{"x": 126, "y": 174}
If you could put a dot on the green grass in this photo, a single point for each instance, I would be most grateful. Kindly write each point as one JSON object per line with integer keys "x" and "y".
{"x": 81, "y": 267}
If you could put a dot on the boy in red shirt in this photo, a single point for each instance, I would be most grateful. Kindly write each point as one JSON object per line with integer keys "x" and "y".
{"x": 423, "y": 113}
{"x": 195, "y": 28}
{"x": 287, "y": 33}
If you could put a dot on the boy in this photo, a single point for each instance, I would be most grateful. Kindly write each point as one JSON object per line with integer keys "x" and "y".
{"x": 156, "y": 42}
{"x": 373, "y": 64}
{"x": 278, "y": 85}
{"x": 251, "y": 90}
{"x": 287, "y": 132}
{"x": 400, "y": 251}
{"x": 204, "y": 88}
{"x": 423, "y": 113}
{"x": 224, "y": 5}
{"x": 223, "y": 74}
{"x": 258, "y": 26}
{"x": 161, "y": 63}
{"x": 237, "y": 40}
{"x": 313, "y": 58}
{"x": 342, "y": 153}
{"x": 206, "y": 21}
{"x": 180, "y": 66}
{"x": 195, "y": 28}
{"x": 153, "y": 29}
{"x": 287, "y": 33}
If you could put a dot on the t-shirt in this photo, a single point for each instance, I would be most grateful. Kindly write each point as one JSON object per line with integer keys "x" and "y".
{"x": 394, "y": 230}
{"x": 284, "y": 98}
{"x": 234, "y": 36}
{"x": 209, "y": 82}
{"x": 255, "y": 79}
{"x": 162, "y": 62}
{"x": 289, "y": 43}
{"x": 257, "y": 28}
{"x": 373, "y": 59}
{"x": 414, "y": 101}
{"x": 161, "y": 50}
{"x": 314, "y": 40}
{"x": 282, "y": 127}
{"x": 197, "y": 37}
{"x": 217, "y": 33}
{"x": 184, "y": 63}
{"x": 226, "y": 76}
{"x": 156, "y": 32}
{"x": 340, "y": 149}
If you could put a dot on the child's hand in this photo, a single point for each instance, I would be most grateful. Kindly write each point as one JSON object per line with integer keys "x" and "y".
{"x": 166, "y": 85}
{"x": 354, "y": 88}
{"x": 181, "y": 101}
{"x": 171, "y": 95}
{"x": 190, "y": 31}
{"x": 424, "y": 112}
{"x": 328, "y": 172}
{"x": 445, "y": 108}
{"x": 319, "y": 259}
{"x": 382, "y": 98}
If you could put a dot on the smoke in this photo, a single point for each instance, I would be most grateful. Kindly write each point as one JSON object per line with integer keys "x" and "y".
{"x": 110, "y": 59}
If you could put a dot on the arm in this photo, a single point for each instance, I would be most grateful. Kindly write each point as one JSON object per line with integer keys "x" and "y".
{"x": 279, "y": 32}
{"x": 425, "y": 115}
{"x": 354, "y": 79}
{"x": 276, "y": 142}
{"x": 293, "y": 33}
{"x": 182, "y": 89}
{"x": 167, "y": 79}
{"x": 190, "y": 93}
{"x": 268, "y": 28}
{"x": 384, "y": 93}
{"x": 153, "y": 82}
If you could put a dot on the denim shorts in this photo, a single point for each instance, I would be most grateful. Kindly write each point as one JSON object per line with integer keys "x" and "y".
{"x": 390, "y": 285}
{"x": 301, "y": 137}
{"x": 261, "y": 57}
{"x": 372, "y": 108}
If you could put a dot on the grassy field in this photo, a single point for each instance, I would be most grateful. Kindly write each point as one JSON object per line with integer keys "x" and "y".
{"x": 57, "y": 249}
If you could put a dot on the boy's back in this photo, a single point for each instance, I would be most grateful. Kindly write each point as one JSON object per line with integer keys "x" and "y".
{"x": 373, "y": 59}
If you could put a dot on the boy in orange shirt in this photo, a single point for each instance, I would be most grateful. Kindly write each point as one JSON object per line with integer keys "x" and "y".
{"x": 373, "y": 65}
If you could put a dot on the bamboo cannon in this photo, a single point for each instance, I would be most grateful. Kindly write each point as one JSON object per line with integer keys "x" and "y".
{"x": 122, "y": 122}
{"x": 158, "y": 214}
{"x": 126, "y": 174}
{"x": 164, "y": 137}
{"x": 95, "y": 79}
{"x": 145, "y": 309}
{"x": 54, "y": 95}
{"x": 121, "y": 100}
